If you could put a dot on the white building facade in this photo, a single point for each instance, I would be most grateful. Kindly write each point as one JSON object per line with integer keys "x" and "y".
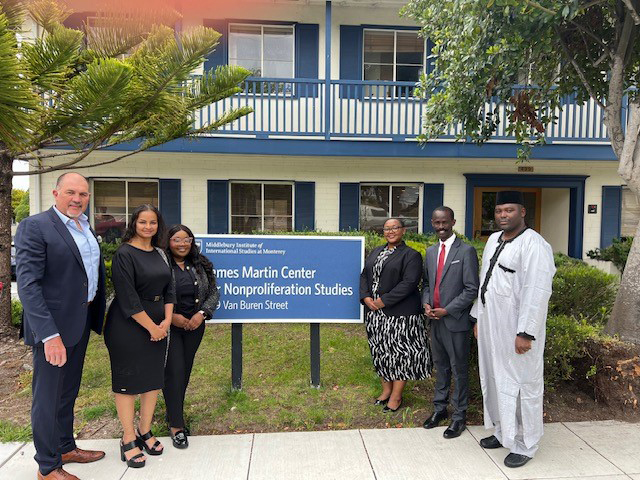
{"x": 331, "y": 143}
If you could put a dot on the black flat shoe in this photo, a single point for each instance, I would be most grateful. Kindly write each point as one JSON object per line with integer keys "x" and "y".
{"x": 386, "y": 408}
{"x": 142, "y": 443}
{"x": 379, "y": 402}
{"x": 435, "y": 419}
{"x": 179, "y": 439}
{"x": 132, "y": 463}
{"x": 490, "y": 442}
{"x": 515, "y": 460}
{"x": 455, "y": 429}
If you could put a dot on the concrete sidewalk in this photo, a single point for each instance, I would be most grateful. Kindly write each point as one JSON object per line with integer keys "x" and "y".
{"x": 587, "y": 450}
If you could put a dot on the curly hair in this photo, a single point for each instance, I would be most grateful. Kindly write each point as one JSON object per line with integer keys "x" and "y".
{"x": 197, "y": 259}
{"x": 158, "y": 240}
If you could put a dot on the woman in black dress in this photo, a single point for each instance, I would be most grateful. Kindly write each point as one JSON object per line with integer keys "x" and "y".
{"x": 196, "y": 299}
{"x": 136, "y": 329}
{"x": 395, "y": 325}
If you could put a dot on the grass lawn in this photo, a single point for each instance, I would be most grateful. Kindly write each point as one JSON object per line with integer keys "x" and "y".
{"x": 276, "y": 393}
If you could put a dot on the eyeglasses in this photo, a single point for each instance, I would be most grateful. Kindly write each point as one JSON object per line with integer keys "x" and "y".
{"x": 391, "y": 229}
{"x": 186, "y": 241}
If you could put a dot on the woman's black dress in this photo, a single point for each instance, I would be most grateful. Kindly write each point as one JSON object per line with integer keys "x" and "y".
{"x": 143, "y": 282}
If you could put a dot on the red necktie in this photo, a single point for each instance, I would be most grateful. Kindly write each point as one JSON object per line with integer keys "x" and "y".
{"x": 436, "y": 290}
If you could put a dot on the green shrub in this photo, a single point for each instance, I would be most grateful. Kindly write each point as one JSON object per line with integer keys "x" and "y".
{"x": 109, "y": 282}
{"x": 565, "y": 343}
{"x": 109, "y": 249}
{"x": 562, "y": 260}
{"x": 16, "y": 313}
{"x": 583, "y": 291}
{"x": 617, "y": 252}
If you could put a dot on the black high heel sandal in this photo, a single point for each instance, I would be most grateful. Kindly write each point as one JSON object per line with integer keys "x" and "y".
{"x": 379, "y": 402}
{"x": 142, "y": 443}
{"x": 125, "y": 447}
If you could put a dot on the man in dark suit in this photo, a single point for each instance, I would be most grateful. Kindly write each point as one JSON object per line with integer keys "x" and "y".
{"x": 450, "y": 286}
{"x": 61, "y": 283}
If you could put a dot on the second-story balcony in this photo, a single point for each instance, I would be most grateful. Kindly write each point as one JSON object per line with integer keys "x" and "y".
{"x": 371, "y": 110}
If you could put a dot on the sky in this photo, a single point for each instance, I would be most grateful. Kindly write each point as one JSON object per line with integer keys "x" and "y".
{"x": 20, "y": 181}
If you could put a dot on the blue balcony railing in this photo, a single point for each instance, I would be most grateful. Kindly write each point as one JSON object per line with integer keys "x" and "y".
{"x": 371, "y": 110}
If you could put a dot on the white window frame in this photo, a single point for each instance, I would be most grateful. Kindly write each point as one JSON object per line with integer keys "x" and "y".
{"x": 391, "y": 185}
{"x": 262, "y": 184}
{"x": 262, "y": 26}
{"x": 395, "y": 50}
{"x": 126, "y": 193}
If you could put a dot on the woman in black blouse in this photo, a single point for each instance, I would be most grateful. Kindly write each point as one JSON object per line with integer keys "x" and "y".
{"x": 196, "y": 299}
{"x": 136, "y": 329}
{"x": 396, "y": 328}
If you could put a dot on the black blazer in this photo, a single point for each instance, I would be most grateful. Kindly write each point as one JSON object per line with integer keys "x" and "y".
{"x": 399, "y": 279}
{"x": 52, "y": 282}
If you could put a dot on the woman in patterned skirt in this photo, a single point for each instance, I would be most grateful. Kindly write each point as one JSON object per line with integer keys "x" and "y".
{"x": 394, "y": 322}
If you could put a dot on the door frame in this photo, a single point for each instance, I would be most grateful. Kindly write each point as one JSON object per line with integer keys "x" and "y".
{"x": 477, "y": 204}
{"x": 575, "y": 184}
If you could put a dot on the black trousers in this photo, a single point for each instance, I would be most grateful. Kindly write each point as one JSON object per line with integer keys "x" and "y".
{"x": 183, "y": 345}
{"x": 54, "y": 395}
{"x": 451, "y": 358}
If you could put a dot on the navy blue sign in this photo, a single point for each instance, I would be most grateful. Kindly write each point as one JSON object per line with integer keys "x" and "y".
{"x": 264, "y": 278}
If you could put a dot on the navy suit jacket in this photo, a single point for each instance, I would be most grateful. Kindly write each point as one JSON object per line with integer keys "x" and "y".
{"x": 458, "y": 284}
{"x": 52, "y": 282}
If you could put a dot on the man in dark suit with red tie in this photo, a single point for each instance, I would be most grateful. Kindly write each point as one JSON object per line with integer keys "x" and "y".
{"x": 450, "y": 286}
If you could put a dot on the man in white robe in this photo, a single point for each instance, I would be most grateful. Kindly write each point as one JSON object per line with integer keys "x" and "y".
{"x": 517, "y": 271}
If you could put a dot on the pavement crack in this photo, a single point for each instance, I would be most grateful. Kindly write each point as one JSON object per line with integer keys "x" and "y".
{"x": 364, "y": 445}
{"x": 253, "y": 438}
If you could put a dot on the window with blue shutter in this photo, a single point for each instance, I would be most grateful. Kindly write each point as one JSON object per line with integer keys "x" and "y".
{"x": 349, "y": 206}
{"x": 351, "y": 60}
{"x": 219, "y": 55}
{"x": 305, "y": 206}
{"x": 433, "y": 197}
{"x": 307, "y": 56}
{"x": 611, "y": 214}
{"x": 170, "y": 196}
{"x": 217, "y": 206}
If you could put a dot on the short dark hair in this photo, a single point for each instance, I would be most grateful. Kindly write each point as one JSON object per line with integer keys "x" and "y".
{"x": 397, "y": 219}
{"x": 158, "y": 240}
{"x": 446, "y": 210}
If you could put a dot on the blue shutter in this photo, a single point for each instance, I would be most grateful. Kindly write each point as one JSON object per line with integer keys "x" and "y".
{"x": 217, "y": 206}
{"x": 433, "y": 198}
{"x": 77, "y": 20}
{"x": 305, "y": 199}
{"x": 307, "y": 41}
{"x": 349, "y": 206}
{"x": 611, "y": 215}
{"x": 219, "y": 55}
{"x": 350, "y": 59}
{"x": 170, "y": 196}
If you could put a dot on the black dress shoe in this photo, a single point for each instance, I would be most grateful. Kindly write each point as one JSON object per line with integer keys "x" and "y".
{"x": 490, "y": 442}
{"x": 515, "y": 460}
{"x": 387, "y": 409}
{"x": 435, "y": 419}
{"x": 179, "y": 439}
{"x": 455, "y": 429}
{"x": 379, "y": 402}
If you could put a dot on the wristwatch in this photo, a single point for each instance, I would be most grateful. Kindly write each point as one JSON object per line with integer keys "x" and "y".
{"x": 203, "y": 313}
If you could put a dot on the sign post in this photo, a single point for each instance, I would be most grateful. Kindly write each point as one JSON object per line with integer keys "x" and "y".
{"x": 285, "y": 279}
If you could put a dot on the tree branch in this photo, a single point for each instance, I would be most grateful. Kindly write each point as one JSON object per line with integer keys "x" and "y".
{"x": 62, "y": 166}
{"x": 578, "y": 70}
{"x": 632, "y": 11}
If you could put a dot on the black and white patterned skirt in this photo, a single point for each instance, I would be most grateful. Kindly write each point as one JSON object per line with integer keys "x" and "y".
{"x": 399, "y": 346}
